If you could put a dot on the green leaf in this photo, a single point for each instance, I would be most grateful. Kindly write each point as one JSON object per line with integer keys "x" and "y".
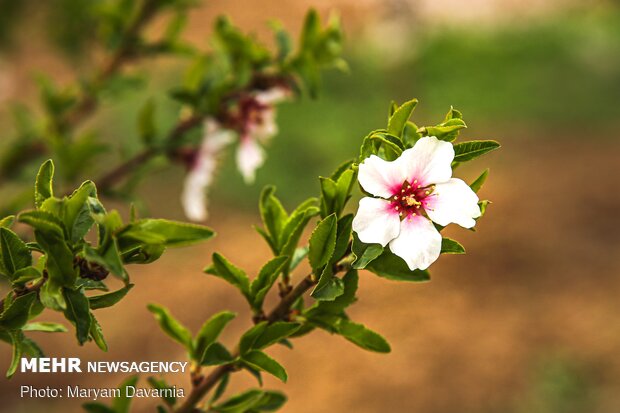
{"x": 223, "y": 268}
{"x": 273, "y": 333}
{"x": 247, "y": 340}
{"x": 97, "y": 334}
{"x": 109, "y": 299}
{"x": 343, "y": 237}
{"x": 329, "y": 287}
{"x": 160, "y": 384}
{"x": 43, "y": 221}
{"x": 466, "y": 151}
{"x": 298, "y": 256}
{"x": 14, "y": 252}
{"x": 340, "y": 303}
{"x": 477, "y": 184}
{"x": 76, "y": 212}
{"x": 215, "y": 355}
{"x": 122, "y": 403}
{"x": 362, "y": 336}
{"x": 400, "y": 117}
{"x": 169, "y": 233}
{"x": 323, "y": 242}
{"x": 210, "y": 331}
{"x": 447, "y": 131}
{"x": 7, "y": 221}
{"x": 17, "y": 338}
{"x": 450, "y": 246}
{"x": 364, "y": 253}
{"x": 146, "y": 122}
{"x": 272, "y": 213}
{"x": 261, "y": 361}
{"x": 15, "y": 315}
{"x": 171, "y": 326}
{"x": 43, "y": 184}
{"x": 45, "y": 327}
{"x": 78, "y": 313}
{"x": 265, "y": 280}
{"x": 239, "y": 403}
{"x": 392, "y": 267}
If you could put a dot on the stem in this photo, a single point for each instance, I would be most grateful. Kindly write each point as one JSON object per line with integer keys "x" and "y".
{"x": 27, "y": 289}
{"x": 111, "y": 178}
{"x": 279, "y": 312}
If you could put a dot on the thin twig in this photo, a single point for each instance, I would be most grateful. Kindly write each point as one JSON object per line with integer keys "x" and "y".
{"x": 279, "y": 312}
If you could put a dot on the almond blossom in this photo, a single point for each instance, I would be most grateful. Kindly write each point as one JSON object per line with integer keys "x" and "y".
{"x": 410, "y": 193}
{"x": 202, "y": 169}
{"x": 258, "y": 127}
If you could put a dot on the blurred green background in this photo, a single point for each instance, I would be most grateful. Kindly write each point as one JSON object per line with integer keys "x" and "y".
{"x": 528, "y": 320}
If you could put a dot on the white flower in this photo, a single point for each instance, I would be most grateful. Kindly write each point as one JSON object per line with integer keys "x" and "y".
{"x": 200, "y": 176}
{"x": 260, "y": 126}
{"x": 412, "y": 191}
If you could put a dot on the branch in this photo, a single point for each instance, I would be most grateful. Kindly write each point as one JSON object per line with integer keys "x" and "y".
{"x": 27, "y": 289}
{"x": 280, "y": 311}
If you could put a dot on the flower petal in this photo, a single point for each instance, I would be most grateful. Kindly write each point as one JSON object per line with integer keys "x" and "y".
{"x": 250, "y": 157}
{"x": 429, "y": 161}
{"x": 453, "y": 202}
{"x": 375, "y": 222}
{"x": 380, "y": 177}
{"x": 419, "y": 242}
{"x": 200, "y": 177}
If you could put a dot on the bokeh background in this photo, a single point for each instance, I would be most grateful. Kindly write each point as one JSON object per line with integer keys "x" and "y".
{"x": 526, "y": 322}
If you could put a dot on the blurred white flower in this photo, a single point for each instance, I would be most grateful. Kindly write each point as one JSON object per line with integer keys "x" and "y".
{"x": 412, "y": 192}
{"x": 259, "y": 115}
{"x": 202, "y": 170}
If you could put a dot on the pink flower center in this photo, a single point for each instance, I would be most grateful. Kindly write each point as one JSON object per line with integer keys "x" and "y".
{"x": 410, "y": 199}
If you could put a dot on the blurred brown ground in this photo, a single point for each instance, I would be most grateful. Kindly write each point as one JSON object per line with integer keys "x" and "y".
{"x": 539, "y": 280}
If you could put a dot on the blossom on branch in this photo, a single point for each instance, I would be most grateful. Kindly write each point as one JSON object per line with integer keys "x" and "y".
{"x": 410, "y": 194}
{"x": 257, "y": 126}
{"x": 202, "y": 169}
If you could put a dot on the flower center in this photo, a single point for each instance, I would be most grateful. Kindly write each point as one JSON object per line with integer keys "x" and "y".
{"x": 409, "y": 201}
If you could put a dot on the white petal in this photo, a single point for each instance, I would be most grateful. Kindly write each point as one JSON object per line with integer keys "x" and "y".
{"x": 200, "y": 177}
{"x": 250, "y": 156}
{"x": 375, "y": 222}
{"x": 418, "y": 243}
{"x": 267, "y": 127}
{"x": 380, "y": 177}
{"x": 429, "y": 161}
{"x": 273, "y": 95}
{"x": 453, "y": 202}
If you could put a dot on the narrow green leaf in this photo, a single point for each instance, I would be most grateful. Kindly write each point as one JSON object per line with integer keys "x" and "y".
{"x": 364, "y": 253}
{"x": 215, "y": 355}
{"x": 78, "y": 313}
{"x": 272, "y": 213}
{"x": 273, "y": 333}
{"x": 450, "y": 246}
{"x": 109, "y": 299}
{"x": 16, "y": 339}
{"x": 328, "y": 287}
{"x": 160, "y": 384}
{"x": 323, "y": 242}
{"x": 261, "y": 361}
{"x": 45, "y": 327}
{"x": 392, "y": 267}
{"x": 477, "y": 184}
{"x": 43, "y": 184}
{"x": 466, "y": 151}
{"x": 224, "y": 269}
{"x": 171, "y": 326}
{"x": 122, "y": 403}
{"x": 362, "y": 336}
{"x": 400, "y": 117}
{"x": 15, "y": 315}
{"x": 247, "y": 340}
{"x": 14, "y": 253}
{"x": 210, "y": 331}
{"x": 96, "y": 333}
{"x": 265, "y": 280}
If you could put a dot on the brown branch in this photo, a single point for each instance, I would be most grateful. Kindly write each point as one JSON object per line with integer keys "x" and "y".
{"x": 279, "y": 312}
{"x": 27, "y": 289}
